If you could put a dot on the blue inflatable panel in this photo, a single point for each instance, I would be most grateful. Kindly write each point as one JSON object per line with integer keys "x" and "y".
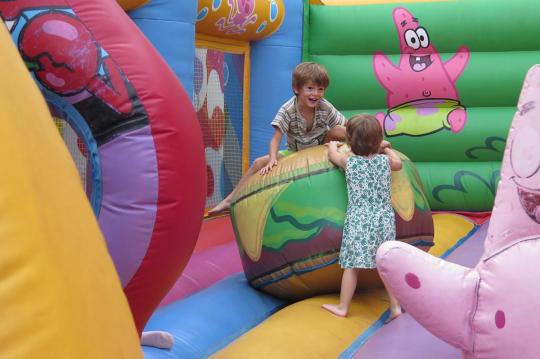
{"x": 167, "y": 10}
{"x": 272, "y": 62}
{"x": 270, "y": 89}
{"x": 170, "y": 27}
{"x": 211, "y": 319}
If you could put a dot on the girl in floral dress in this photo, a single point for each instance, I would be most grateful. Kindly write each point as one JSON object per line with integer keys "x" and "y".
{"x": 369, "y": 220}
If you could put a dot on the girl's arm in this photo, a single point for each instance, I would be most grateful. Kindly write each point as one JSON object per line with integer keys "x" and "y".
{"x": 395, "y": 161}
{"x": 337, "y": 158}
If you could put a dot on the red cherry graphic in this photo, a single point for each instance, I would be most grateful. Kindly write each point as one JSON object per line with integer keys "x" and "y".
{"x": 68, "y": 59}
{"x": 65, "y": 50}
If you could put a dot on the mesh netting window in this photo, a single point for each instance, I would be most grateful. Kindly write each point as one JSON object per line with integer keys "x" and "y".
{"x": 77, "y": 149}
{"x": 218, "y": 88}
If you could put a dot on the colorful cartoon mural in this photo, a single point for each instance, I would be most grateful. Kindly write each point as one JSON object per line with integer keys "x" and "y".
{"x": 50, "y": 40}
{"x": 421, "y": 94}
{"x": 239, "y": 19}
{"x": 240, "y": 15}
{"x": 218, "y": 101}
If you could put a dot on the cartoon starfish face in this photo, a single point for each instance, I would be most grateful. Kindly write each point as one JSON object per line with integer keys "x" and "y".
{"x": 525, "y": 163}
{"x": 516, "y": 212}
{"x": 421, "y": 80}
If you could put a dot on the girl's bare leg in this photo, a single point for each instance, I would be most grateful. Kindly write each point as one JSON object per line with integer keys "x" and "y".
{"x": 395, "y": 307}
{"x": 348, "y": 287}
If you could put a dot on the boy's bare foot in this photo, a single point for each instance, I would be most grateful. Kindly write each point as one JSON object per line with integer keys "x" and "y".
{"x": 335, "y": 309}
{"x": 221, "y": 207}
{"x": 157, "y": 339}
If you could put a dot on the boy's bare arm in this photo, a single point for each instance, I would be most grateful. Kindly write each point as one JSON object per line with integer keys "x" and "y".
{"x": 337, "y": 158}
{"x": 273, "y": 152}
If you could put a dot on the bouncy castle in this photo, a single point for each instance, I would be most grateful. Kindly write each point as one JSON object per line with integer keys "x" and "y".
{"x": 124, "y": 121}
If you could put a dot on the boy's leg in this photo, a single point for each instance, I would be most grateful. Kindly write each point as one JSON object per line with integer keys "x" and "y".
{"x": 338, "y": 133}
{"x": 225, "y": 204}
{"x": 348, "y": 287}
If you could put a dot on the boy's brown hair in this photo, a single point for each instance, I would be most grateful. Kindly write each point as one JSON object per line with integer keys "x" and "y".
{"x": 364, "y": 134}
{"x": 309, "y": 71}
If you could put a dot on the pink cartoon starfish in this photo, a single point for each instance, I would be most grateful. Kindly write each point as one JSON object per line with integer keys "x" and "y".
{"x": 421, "y": 93}
{"x": 491, "y": 310}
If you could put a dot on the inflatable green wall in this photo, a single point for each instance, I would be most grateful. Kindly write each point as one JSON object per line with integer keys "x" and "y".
{"x": 442, "y": 77}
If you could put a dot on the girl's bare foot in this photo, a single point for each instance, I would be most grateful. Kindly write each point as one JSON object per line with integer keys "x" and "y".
{"x": 221, "y": 207}
{"x": 335, "y": 309}
{"x": 394, "y": 313}
{"x": 157, "y": 339}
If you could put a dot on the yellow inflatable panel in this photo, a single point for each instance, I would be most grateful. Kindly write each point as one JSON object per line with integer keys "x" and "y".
{"x": 305, "y": 330}
{"x": 60, "y": 296}
{"x": 449, "y": 228}
{"x": 245, "y": 20}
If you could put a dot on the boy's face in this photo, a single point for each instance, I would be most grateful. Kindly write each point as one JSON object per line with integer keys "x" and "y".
{"x": 309, "y": 94}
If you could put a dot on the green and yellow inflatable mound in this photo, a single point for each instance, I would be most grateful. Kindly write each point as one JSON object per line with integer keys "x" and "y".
{"x": 288, "y": 224}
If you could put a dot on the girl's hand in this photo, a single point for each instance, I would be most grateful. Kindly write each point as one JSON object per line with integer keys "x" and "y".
{"x": 337, "y": 158}
{"x": 384, "y": 145}
{"x": 266, "y": 169}
{"x": 333, "y": 145}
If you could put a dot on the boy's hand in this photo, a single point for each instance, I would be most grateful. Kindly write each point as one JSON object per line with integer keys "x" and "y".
{"x": 266, "y": 169}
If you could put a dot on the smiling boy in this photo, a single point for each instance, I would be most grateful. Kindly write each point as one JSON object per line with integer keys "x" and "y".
{"x": 307, "y": 120}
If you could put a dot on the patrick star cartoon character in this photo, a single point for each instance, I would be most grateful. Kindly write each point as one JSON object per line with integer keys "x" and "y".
{"x": 491, "y": 310}
{"x": 421, "y": 92}
{"x": 240, "y": 15}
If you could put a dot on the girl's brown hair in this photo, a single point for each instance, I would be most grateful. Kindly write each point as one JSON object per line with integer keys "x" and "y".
{"x": 310, "y": 71}
{"x": 364, "y": 134}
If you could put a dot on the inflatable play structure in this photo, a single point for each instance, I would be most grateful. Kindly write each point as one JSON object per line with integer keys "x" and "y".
{"x": 52, "y": 251}
{"x": 132, "y": 124}
{"x": 287, "y": 249}
{"x": 480, "y": 318}
{"x": 161, "y": 109}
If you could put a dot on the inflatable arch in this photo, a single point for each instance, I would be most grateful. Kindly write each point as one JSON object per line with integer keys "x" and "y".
{"x": 52, "y": 252}
{"x": 103, "y": 74}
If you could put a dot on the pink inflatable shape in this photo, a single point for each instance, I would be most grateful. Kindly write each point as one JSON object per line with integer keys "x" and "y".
{"x": 421, "y": 94}
{"x": 492, "y": 310}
